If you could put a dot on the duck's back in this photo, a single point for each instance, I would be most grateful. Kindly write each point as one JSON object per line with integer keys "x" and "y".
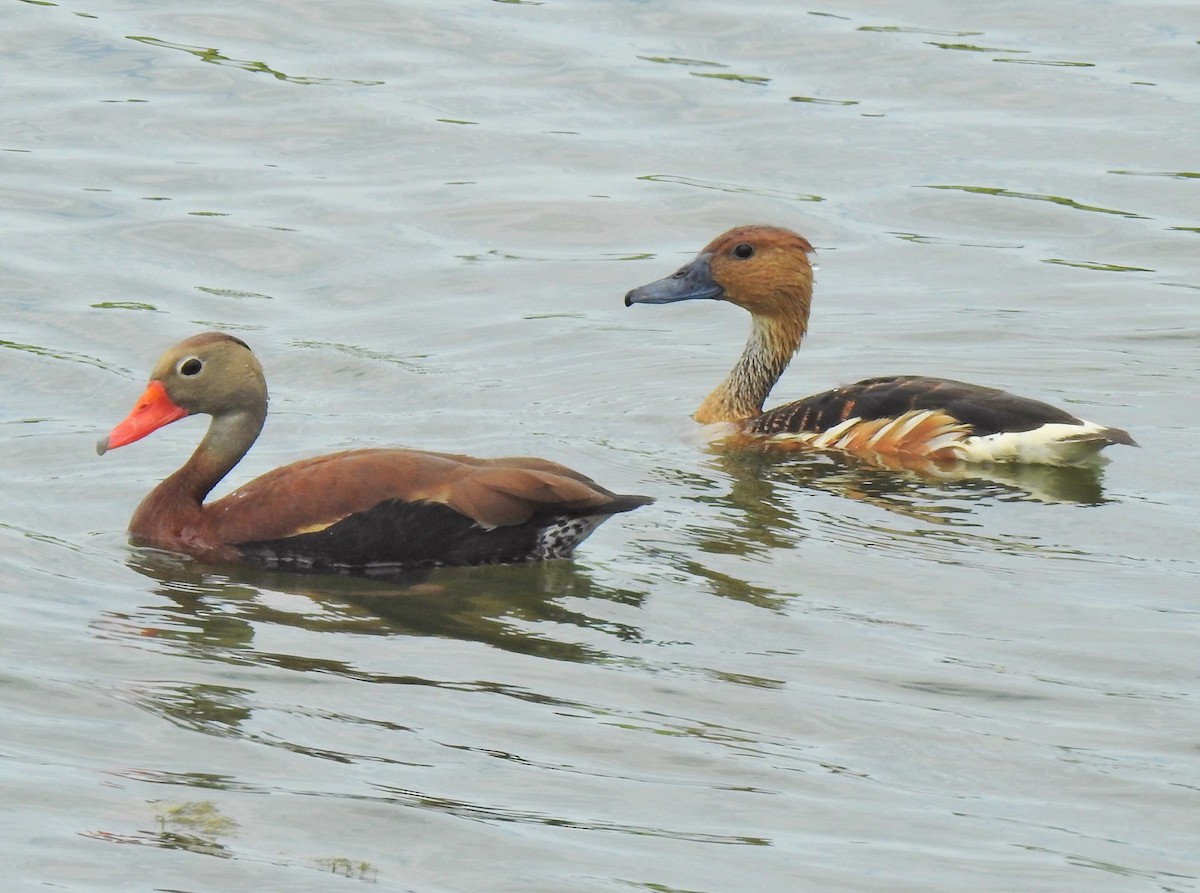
{"x": 395, "y": 508}
{"x": 935, "y": 417}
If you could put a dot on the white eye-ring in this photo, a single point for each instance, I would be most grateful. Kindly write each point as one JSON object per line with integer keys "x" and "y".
{"x": 189, "y": 366}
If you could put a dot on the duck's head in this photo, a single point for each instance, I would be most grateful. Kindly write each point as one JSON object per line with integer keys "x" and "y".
{"x": 211, "y": 373}
{"x": 764, "y": 269}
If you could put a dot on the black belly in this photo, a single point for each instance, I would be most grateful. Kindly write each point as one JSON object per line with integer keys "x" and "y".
{"x": 396, "y": 533}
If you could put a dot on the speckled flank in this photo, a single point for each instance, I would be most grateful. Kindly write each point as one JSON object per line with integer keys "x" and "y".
{"x": 559, "y": 538}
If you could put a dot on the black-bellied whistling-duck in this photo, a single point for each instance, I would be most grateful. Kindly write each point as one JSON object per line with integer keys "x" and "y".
{"x": 360, "y": 509}
{"x": 765, "y": 270}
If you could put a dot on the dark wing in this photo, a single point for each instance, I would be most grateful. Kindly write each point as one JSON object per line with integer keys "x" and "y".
{"x": 983, "y": 410}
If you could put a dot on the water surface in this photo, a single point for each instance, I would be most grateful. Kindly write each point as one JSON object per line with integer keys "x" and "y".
{"x": 800, "y": 671}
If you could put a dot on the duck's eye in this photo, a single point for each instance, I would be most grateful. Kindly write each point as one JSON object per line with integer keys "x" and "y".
{"x": 190, "y": 366}
{"x": 744, "y": 251}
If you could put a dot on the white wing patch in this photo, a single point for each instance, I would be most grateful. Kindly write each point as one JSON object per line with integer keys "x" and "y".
{"x": 1048, "y": 445}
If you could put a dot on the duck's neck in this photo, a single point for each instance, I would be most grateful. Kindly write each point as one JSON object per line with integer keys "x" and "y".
{"x": 175, "y": 507}
{"x": 769, "y": 349}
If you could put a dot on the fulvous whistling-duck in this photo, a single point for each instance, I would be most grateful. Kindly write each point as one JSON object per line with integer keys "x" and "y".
{"x": 766, "y": 271}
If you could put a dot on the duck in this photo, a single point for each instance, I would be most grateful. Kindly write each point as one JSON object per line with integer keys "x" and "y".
{"x": 766, "y": 270}
{"x": 360, "y": 510}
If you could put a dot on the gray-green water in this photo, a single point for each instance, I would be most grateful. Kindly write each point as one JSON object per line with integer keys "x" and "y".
{"x": 784, "y": 676}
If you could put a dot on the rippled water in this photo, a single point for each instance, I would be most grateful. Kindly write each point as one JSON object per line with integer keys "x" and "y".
{"x": 788, "y": 674}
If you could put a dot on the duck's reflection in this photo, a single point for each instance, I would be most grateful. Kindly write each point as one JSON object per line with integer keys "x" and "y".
{"x": 905, "y": 484}
{"x": 243, "y": 617}
{"x": 513, "y": 607}
{"x": 772, "y": 501}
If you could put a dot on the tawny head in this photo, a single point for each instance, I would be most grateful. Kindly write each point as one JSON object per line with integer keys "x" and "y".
{"x": 764, "y": 269}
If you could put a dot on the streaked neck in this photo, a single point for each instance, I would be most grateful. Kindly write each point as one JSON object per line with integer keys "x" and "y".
{"x": 769, "y": 349}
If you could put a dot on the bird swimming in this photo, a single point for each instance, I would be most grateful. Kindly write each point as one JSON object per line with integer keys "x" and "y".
{"x": 766, "y": 271}
{"x": 358, "y": 510}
